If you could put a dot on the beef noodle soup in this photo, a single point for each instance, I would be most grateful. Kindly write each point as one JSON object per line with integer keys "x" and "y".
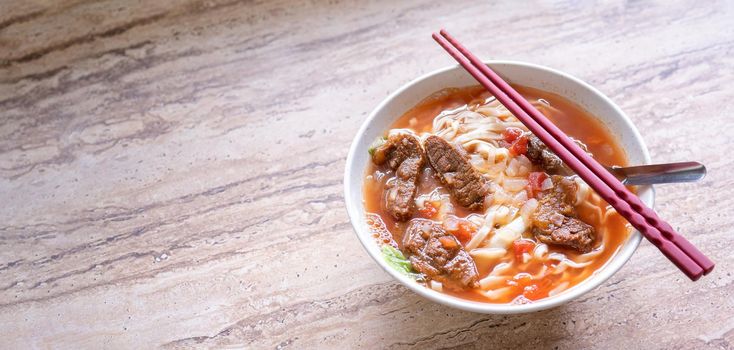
{"x": 466, "y": 201}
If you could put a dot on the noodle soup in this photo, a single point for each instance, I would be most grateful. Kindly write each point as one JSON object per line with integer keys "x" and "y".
{"x": 465, "y": 200}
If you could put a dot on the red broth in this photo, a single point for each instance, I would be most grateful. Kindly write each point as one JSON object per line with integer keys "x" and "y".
{"x": 575, "y": 122}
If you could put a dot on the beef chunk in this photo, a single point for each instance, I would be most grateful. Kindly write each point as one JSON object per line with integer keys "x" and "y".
{"x": 540, "y": 154}
{"x": 439, "y": 255}
{"x": 402, "y": 153}
{"x": 467, "y": 185}
{"x": 555, "y": 222}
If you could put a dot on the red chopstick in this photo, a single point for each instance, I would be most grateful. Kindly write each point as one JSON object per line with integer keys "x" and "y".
{"x": 675, "y": 247}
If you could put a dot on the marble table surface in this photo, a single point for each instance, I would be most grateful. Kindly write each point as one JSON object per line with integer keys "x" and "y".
{"x": 171, "y": 171}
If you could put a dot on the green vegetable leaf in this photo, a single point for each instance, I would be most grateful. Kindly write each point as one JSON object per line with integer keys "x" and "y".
{"x": 397, "y": 261}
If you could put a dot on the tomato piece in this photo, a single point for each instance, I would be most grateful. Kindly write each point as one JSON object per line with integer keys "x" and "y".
{"x": 429, "y": 210}
{"x": 511, "y": 134}
{"x": 519, "y": 146}
{"x": 465, "y": 231}
{"x": 462, "y": 229}
{"x": 522, "y": 246}
{"x": 535, "y": 183}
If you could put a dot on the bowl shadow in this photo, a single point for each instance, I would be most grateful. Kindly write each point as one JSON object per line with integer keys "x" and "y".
{"x": 417, "y": 322}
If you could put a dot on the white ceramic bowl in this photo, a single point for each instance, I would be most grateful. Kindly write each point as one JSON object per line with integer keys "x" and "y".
{"x": 525, "y": 74}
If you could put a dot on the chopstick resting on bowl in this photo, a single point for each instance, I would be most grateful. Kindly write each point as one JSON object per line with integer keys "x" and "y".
{"x": 674, "y": 246}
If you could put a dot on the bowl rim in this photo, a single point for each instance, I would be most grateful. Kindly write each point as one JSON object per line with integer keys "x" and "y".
{"x": 599, "y": 277}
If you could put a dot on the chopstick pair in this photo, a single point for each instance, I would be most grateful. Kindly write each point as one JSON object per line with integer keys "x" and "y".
{"x": 674, "y": 246}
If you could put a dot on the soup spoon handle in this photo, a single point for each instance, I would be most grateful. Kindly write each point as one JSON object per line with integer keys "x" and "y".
{"x": 659, "y": 173}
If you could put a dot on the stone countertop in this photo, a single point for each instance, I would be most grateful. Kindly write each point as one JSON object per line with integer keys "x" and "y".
{"x": 171, "y": 171}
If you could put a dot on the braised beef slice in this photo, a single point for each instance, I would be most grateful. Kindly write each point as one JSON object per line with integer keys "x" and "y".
{"x": 555, "y": 221}
{"x": 540, "y": 154}
{"x": 402, "y": 153}
{"x": 467, "y": 185}
{"x": 439, "y": 255}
